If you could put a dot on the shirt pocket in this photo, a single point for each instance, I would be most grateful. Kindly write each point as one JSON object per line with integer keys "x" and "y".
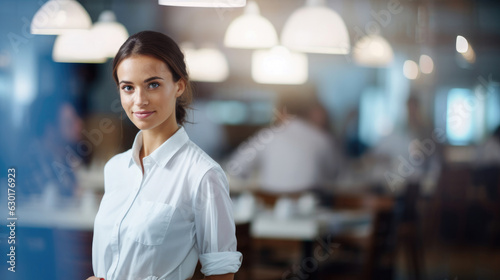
{"x": 150, "y": 222}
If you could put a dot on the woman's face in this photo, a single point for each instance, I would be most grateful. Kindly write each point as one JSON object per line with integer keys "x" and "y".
{"x": 148, "y": 92}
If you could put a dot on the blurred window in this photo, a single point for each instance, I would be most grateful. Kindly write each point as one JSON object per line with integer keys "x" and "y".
{"x": 375, "y": 120}
{"x": 234, "y": 112}
{"x": 493, "y": 107}
{"x": 465, "y": 116}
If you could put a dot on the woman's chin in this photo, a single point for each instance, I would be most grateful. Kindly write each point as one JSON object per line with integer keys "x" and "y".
{"x": 142, "y": 125}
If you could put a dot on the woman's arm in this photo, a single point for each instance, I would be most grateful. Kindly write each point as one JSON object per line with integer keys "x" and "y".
{"x": 215, "y": 229}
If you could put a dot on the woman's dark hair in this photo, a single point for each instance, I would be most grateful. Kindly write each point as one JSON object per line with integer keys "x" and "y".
{"x": 162, "y": 47}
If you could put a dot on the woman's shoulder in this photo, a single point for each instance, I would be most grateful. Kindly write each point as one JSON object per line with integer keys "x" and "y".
{"x": 118, "y": 160}
{"x": 199, "y": 161}
{"x": 198, "y": 157}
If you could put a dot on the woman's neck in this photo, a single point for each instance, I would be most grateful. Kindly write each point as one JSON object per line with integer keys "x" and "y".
{"x": 151, "y": 140}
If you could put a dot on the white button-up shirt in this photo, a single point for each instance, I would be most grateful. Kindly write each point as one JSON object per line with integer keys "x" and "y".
{"x": 292, "y": 157}
{"x": 158, "y": 224}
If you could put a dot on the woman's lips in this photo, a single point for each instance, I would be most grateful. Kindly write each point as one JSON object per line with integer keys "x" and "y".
{"x": 143, "y": 114}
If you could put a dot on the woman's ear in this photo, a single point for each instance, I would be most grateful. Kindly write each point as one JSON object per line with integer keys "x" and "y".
{"x": 181, "y": 87}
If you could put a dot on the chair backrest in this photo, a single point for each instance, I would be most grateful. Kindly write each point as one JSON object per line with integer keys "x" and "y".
{"x": 379, "y": 243}
{"x": 489, "y": 178}
{"x": 269, "y": 199}
{"x": 453, "y": 183}
{"x": 367, "y": 202}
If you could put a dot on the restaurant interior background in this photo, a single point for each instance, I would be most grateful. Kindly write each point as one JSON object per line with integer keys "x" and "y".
{"x": 410, "y": 102}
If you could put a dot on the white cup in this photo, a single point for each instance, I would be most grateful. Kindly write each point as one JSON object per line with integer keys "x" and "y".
{"x": 245, "y": 206}
{"x": 284, "y": 208}
{"x": 307, "y": 204}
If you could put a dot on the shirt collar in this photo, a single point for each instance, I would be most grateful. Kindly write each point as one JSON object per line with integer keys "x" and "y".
{"x": 162, "y": 154}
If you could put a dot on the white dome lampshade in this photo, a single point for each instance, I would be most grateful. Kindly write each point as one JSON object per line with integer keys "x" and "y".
{"x": 279, "y": 66}
{"x": 109, "y": 34}
{"x": 207, "y": 64}
{"x": 78, "y": 46}
{"x": 204, "y": 3}
{"x": 251, "y": 30}
{"x": 315, "y": 28}
{"x": 59, "y": 16}
{"x": 373, "y": 51}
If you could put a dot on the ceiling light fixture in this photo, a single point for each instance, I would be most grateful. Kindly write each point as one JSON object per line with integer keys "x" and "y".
{"x": 60, "y": 16}
{"x": 78, "y": 46}
{"x": 426, "y": 64}
{"x": 207, "y": 64}
{"x": 316, "y": 28}
{"x": 279, "y": 66}
{"x": 109, "y": 34}
{"x": 410, "y": 69}
{"x": 461, "y": 44}
{"x": 251, "y": 30}
{"x": 373, "y": 51}
{"x": 204, "y": 3}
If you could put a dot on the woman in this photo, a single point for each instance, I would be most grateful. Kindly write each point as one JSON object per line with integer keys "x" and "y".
{"x": 166, "y": 203}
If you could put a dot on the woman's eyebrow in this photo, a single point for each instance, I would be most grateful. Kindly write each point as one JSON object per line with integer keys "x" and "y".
{"x": 152, "y": 78}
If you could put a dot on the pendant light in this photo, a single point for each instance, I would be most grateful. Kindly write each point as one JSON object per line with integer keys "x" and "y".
{"x": 316, "y": 28}
{"x": 373, "y": 51}
{"x": 109, "y": 34}
{"x": 78, "y": 46}
{"x": 279, "y": 66}
{"x": 251, "y": 30}
{"x": 465, "y": 49}
{"x": 462, "y": 45}
{"x": 204, "y": 3}
{"x": 207, "y": 64}
{"x": 60, "y": 16}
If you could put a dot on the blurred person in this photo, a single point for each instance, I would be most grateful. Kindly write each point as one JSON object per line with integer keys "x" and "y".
{"x": 409, "y": 154}
{"x": 166, "y": 203}
{"x": 398, "y": 142}
{"x": 296, "y": 154}
{"x": 353, "y": 145}
{"x": 406, "y": 165}
{"x": 52, "y": 157}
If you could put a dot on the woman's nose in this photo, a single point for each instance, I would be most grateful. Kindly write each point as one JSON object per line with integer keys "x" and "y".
{"x": 141, "y": 97}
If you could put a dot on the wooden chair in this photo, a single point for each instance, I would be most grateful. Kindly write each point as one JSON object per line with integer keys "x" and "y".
{"x": 370, "y": 245}
{"x": 269, "y": 199}
{"x": 450, "y": 204}
{"x": 273, "y": 257}
{"x": 409, "y": 233}
{"x": 245, "y": 248}
{"x": 483, "y": 220}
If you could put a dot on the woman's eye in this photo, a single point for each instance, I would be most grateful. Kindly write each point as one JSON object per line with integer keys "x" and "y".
{"x": 127, "y": 88}
{"x": 154, "y": 85}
